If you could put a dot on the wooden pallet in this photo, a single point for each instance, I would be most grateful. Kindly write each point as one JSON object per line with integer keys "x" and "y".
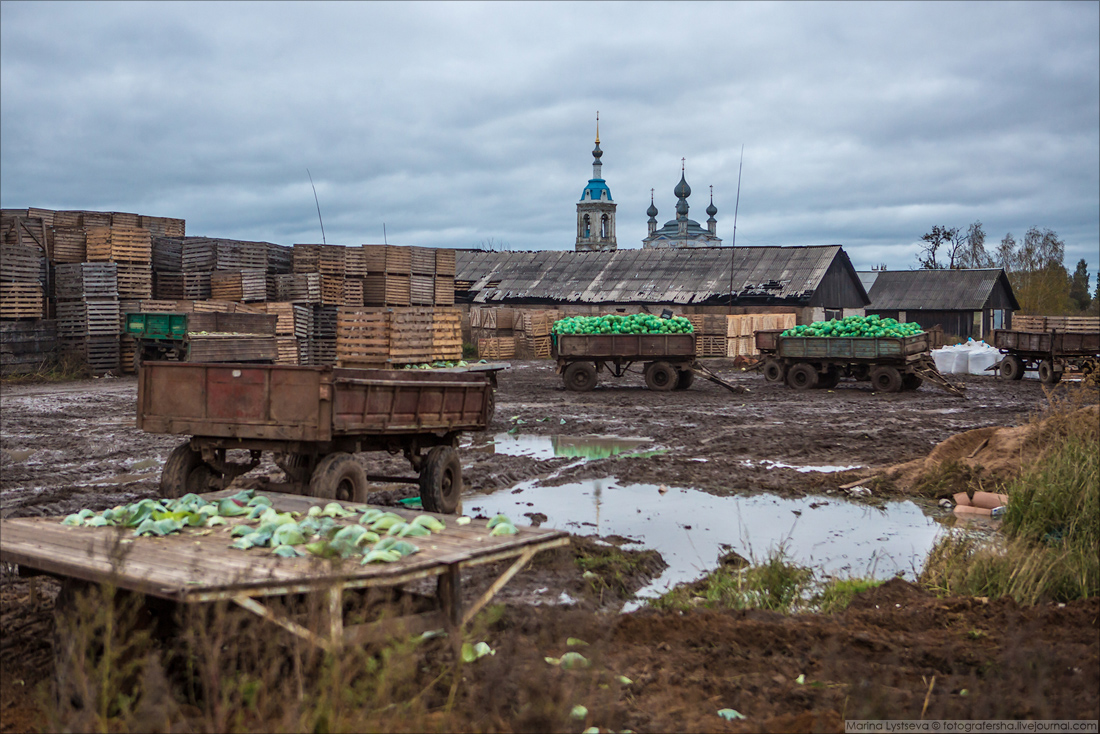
{"x": 445, "y": 263}
{"x": 421, "y": 290}
{"x": 386, "y": 289}
{"x": 398, "y": 260}
{"x": 135, "y": 281}
{"x": 353, "y": 292}
{"x": 89, "y": 317}
{"x": 300, "y": 287}
{"x": 21, "y": 301}
{"x": 444, "y": 290}
{"x": 86, "y": 280}
{"x": 332, "y": 290}
{"x": 331, "y": 260}
{"x": 127, "y": 348}
{"x": 422, "y": 261}
{"x": 199, "y": 254}
{"x": 497, "y": 348}
{"x": 70, "y": 245}
{"x": 293, "y": 319}
{"x": 323, "y": 321}
{"x": 305, "y": 259}
{"x": 22, "y": 264}
{"x": 322, "y": 351}
{"x": 287, "y": 347}
{"x": 374, "y": 258}
{"x": 103, "y": 354}
{"x": 1066, "y": 324}
{"x": 363, "y": 335}
{"x": 182, "y": 286}
{"x": 446, "y": 334}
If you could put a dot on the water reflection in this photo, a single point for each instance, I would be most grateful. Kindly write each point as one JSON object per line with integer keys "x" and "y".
{"x": 549, "y": 447}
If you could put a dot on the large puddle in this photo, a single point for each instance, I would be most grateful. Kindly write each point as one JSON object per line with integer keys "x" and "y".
{"x": 691, "y": 529}
{"x": 549, "y": 447}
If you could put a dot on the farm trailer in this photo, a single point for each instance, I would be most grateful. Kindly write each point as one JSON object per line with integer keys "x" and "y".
{"x": 203, "y": 337}
{"x": 892, "y": 364}
{"x": 1050, "y": 353}
{"x": 314, "y": 419}
{"x": 669, "y": 359}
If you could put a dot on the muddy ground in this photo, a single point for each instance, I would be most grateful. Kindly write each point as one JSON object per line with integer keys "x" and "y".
{"x": 66, "y": 447}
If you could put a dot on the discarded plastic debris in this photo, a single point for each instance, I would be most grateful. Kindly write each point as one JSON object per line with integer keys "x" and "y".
{"x": 730, "y": 714}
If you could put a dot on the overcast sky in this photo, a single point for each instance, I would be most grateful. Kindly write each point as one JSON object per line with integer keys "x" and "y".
{"x": 454, "y": 124}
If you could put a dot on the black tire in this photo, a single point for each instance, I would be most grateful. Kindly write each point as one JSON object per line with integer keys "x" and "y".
{"x": 202, "y": 478}
{"x": 802, "y": 376}
{"x": 580, "y": 376}
{"x": 339, "y": 477}
{"x": 773, "y": 371}
{"x": 685, "y": 379}
{"x": 829, "y": 380}
{"x": 886, "y": 379}
{"x": 1047, "y": 374}
{"x": 441, "y": 480}
{"x": 1012, "y": 368}
{"x": 910, "y": 381}
{"x": 661, "y": 376}
{"x": 176, "y": 475}
{"x": 860, "y": 372}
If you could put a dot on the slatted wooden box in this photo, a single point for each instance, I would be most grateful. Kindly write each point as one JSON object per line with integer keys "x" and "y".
{"x": 501, "y": 347}
{"x": 446, "y": 334}
{"x": 22, "y": 264}
{"x": 444, "y": 290}
{"x": 373, "y": 258}
{"x": 537, "y": 322}
{"x": 1065, "y": 324}
{"x": 135, "y": 281}
{"x": 709, "y": 324}
{"x": 331, "y": 260}
{"x": 164, "y": 226}
{"x": 386, "y": 289}
{"x": 362, "y": 336}
{"x": 88, "y": 317}
{"x": 278, "y": 259}
{"x": 332, "y": 290}
{"x": 445, "y": 262}
{"x": 70, "y": 245}
{"x": 199, "y": 254}
{"x": 189, "y": 286}
{"x": 302, "y": 287}
{"x": 710, "y": 346}
{"x": 353, "y": 292}
{"x": 398, "y": 260}
{"x": 26, "y": 346}
{"x": 422, "y": 261}
{"x": 293, "y": 319}
{"x": 421, "y": 290}
{"x": 150, "y": 305}
{"x": 68, "y": 219}
{"x": 287, "y": 347}
{"x": 86, "y": 280}
{"x": 22, "y": 301}
{"x": 323, "y": 322}
{"x": 119, "y": 244}
{"x": 124, "y": 219}
{"x": 95, "y": 219}
{"x": 305, "y": 259}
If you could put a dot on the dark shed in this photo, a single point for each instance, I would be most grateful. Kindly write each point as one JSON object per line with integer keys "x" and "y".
{"x": 966, "y": 303}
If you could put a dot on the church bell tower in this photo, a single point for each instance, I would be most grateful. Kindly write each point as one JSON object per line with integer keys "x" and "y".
{"x": 596, "y": 210}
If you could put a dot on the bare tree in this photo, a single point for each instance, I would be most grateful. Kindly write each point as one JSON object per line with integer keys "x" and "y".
{"x": 947, "y": 238}
{"x": 1006, "y": 253}
{"x": 492, "y": 244}
{"x": 973, "y": 254}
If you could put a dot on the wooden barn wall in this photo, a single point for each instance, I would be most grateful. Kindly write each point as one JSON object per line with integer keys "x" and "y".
{"x": 838, "y": 289}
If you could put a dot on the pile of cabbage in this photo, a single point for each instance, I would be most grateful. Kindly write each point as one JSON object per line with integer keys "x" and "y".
{"x": 860, "y": 326}
{"x": 635, "y": 323}
{"x": 376, "y": 536}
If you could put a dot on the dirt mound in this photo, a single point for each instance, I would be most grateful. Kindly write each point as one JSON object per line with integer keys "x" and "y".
{"x": 983, "y": 457}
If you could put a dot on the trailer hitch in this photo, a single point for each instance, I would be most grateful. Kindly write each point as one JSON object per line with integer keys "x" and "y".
{"x": 229, "y": 470}
{"x": 706, "y": 374}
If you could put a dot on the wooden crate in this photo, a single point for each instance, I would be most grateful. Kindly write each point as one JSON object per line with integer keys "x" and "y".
{"x": 72, "y": 219}
{"x": 119, "y": 244}
{"x": 124, "y": 219}
{"x": 164, "y": 226}
{"x": 125, "y": 306}
{"x": 710, "y": 346}
{"x": 446, "y": 334}
{"x": 301, "y": 287}
{"x": 332, "y": 290}
{"x": 709, "y": 324}
{"x": 306, "y": 259}
{"x": 331, "y": 260}
{"x": 445, "y": 262}
{"x": 95, "y": 219}
{"x": 150, "y": 305}
{"x": 444, "y": 290}
{"x": 102, "y": 354}
{"x": 86, "y": 280}
{"x": 374, "y": 258}
{"x": 287, "y": 347}
{"x": 353, "y": 292}
{"x": 476, "y": 316}
{"x": 293, "y": 319}
{"x": 362, "y": 336}
{"x": 497, "y": 348}
{"x": 398, "y": 260}
{"x": 386, "y": 289}
{"x": 199, "y": 254}
{"x": 537, "y": 323}
{"x": 540, "y": 347}
{"x": 421, "y": 290}
{"x": 225, "y": 285}
{"x": 498, "y": 318}
{"x": 323, "y": 321}
{"x": 88, "y": 317}
{"x": 1066, "y": 324}
{"x": 21, "y": 301}
{"x": 21, "y": 264}
{"x": 98, "y": 243}
{"x": 355, "y": 263}
{"x": 127, "y": 347}
{"x": 214, "y": 306}
{"x": 278, "y": 258}
{"x": 182, "y": 286}
{"x": 26, "y": 345}
{"x": 69, "y": 245}
{"x": 135, "y": 281}
{"x": 422, "y": 261}
{"x": 411, "y": 337}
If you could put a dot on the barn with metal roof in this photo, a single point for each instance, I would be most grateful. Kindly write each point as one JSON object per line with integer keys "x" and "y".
{"x": 814, "y": 281}
{"x": 966, "y": 303}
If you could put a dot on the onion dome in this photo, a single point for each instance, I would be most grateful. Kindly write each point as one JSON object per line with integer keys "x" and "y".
{"x": 682, "y": 190}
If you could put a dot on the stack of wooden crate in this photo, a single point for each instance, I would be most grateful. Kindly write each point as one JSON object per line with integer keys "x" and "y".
{"x": 533, "y": 337}
{"x": 710, "y": 334}
{"x": 246, "y": 285}
{"x": 128, "y": 247}
{"x": 492, "y": 329}
{"x": 22, "y": 295}
{"x": 88, "y": 315}
{"x": 742, "y": 327}
{"x": 393, "y": 337}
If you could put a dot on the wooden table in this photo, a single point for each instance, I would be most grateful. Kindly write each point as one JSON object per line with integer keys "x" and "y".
{"x": 197, "y": 565}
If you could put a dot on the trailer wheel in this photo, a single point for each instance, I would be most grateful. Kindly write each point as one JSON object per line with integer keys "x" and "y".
{"x": 802, "y": 376}
{"x": 886, "y": 379}
{"x": 860, "y": 372}
{"x": 441, "y": 480}
{"x": 773, "y": 371}
{"x": 685, "y": 379}
{"x": 580, "y": 376}
{"x": 1012, "y": 368}
{"x": 175, "y": 478}
{"x": 1047, "y": 374}
{"x": 660, "y": 376}
{"x": 909, "y": 381}
{"x": 339, "y": 477}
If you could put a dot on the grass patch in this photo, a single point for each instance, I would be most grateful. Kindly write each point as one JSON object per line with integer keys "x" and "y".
{"x": 608, "y": 568}
{"x": 949, "y": 478}
{"x": 837, "y": 594}
{"x": 1051, "y": 545}
{"x": 60, "y": 367}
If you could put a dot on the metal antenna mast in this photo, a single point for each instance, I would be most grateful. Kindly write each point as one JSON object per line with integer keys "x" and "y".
{"x": 736, "y": 206}
{"x": 316, "y": 201}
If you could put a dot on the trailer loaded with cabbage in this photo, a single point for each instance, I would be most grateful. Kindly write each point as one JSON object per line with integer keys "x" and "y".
{"x": 892, "y": 356}
{"x": 314, "y": 420}
{"x": 584, "y": 346}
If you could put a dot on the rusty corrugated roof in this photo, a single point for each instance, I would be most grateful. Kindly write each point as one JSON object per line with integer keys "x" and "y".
{"x": 689, "y": 275}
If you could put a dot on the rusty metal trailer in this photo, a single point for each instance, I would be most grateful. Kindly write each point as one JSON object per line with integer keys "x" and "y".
{"x": 1051, "y": 353}
{"x": 195, "y": 567}
{"x": 669, "y": 360}
{"x": 314, "y": 420}
{"x": 891, "y": 364}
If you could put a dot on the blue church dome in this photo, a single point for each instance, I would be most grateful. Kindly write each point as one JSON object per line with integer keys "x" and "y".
{"x": 595, "y": 189}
